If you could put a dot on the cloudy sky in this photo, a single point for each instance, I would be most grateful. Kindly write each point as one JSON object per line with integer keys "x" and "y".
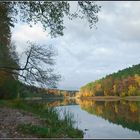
{"x": 85, "y": 55}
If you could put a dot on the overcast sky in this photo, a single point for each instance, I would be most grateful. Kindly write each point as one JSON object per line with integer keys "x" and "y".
{"x": 86, "y": 55}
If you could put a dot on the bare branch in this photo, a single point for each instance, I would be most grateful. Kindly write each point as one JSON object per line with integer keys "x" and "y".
{"x": 38, "y": 66}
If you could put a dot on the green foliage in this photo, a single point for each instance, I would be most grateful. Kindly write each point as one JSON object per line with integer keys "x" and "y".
{"x": 123, "y": 83}
{"x": 32, "y": 129}
{"x": 6, "y": 47}
{"x": 51, "y": 16}
{"x": 8, "y": 57}
{"x": 5, "y": 23}
{"x": 3, "y": 102}
{"x": 51, "y": 13}
{"x": 131, "y": 71}
{"x": 45, "y": 132}
{"x": 54, "y": 126}
{"x": 9, "y": 89}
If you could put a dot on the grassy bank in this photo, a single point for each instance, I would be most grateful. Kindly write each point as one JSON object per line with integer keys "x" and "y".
{"x": 53, "y": 126}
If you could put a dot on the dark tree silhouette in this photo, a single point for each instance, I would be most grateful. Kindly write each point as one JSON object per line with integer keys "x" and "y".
{"x": 37, "y": 67}
{"x": 51, "y": 13}
{"x": 51, "y": 16}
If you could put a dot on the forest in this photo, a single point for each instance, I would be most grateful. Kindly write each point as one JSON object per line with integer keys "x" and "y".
{"x": 33, "y": 73}
{"x": 123, "y": 83}
{"x": 39, "y": 60}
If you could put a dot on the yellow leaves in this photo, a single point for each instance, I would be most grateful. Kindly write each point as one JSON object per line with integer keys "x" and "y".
{"x": 86, "y": 103}
{"x": 122, "y": 94}
{"x": 114, "y": 88}
{"x": 99, "y": 110}
{"x": 127, "y": 86}
{"x": 131, "y": 90}
{"x": 137, "y": 79}
{"x": 133, "y": 108}
{"x": 105, "y": 93}
{"x": 116, "y": 108}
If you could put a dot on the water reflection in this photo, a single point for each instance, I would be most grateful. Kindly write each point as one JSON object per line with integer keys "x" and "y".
{"x": 107, "y": 119}
{"x": 124, "y": 113}
{"x": 102, "y": 119}
{"x": 55, "y": 102}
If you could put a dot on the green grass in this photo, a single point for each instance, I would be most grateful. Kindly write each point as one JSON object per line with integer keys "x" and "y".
{"x": 32, "y": 129}
{"x": 3, "y": 102}
{"x": 54, "y": 127}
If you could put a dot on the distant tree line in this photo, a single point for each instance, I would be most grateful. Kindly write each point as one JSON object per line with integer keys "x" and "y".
{"x": 50, "y": 15}
{"x": 33, "y": 91}
{"x": 122, "y": 83}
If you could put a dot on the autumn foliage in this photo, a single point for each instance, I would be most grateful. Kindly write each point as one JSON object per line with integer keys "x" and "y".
{"x": 124, "y": 113}
{"x": 123, "y": 83}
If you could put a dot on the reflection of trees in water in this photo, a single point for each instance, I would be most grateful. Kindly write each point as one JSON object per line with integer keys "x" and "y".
{"x": 125, "y": 113}
{"x": 62, "y": 102}
{"x": 55, "y": 103}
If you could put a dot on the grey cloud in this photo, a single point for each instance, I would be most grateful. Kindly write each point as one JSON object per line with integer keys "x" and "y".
{"x": 86, "y": 55}
{"x": 124, "y": 19}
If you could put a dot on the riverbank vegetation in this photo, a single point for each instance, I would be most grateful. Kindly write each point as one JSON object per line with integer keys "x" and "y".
{"x": 19, "y": 75}
{"x": 52, "y": 127}
{"x": 122, "y": 83}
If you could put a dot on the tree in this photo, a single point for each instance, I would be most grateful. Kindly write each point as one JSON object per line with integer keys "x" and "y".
{"x": 6, "y": 47}
{"x": 37, "y": 67}
{"x": 51, "y": 16}
{"x": 51, "y": 13}
{"x": 6, "y": 21}
{"x": 131, "y": 90}
{"x": 7, "y": 53}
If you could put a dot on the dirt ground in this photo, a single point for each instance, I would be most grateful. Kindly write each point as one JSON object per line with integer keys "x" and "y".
{"x": 11, "y": 118}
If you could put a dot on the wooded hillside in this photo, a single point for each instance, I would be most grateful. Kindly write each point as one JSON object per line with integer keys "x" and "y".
{"x": 125, "y": 82}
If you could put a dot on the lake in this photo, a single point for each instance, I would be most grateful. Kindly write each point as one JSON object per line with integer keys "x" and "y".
{"x": 103, "y": 119}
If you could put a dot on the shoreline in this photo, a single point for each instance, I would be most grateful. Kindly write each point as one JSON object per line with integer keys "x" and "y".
{"x": 41, "y": 98}
{"x": 49, "y": 98}
{"x": 98, "y": 98}
{"x": 34, "y": 120}
{"x": 111, "y": 98}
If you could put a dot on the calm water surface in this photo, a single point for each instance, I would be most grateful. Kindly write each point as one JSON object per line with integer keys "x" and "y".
{"x": 102, "y": 119}
{"x": 106, "y": 119}
{"x": 97, "y": 127}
